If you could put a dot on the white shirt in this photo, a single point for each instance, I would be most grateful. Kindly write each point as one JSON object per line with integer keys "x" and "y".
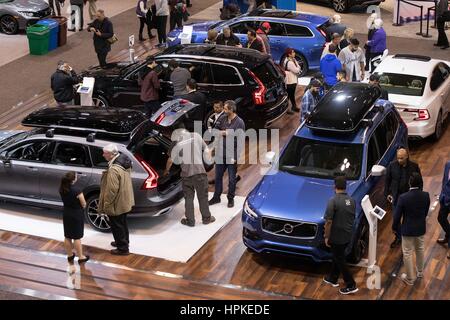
{"x": 352, "y": 61}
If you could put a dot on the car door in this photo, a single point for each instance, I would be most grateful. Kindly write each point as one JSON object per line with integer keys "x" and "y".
{"x": 21, "y": 167}
{"x": 127, "y": 91}
{"x": 442, "y": 73}
{"x": 241, "y": 28}
{"x": 66, "y": 156}
{"x": 302, "y": 39}
{"x": 278, "y": 40}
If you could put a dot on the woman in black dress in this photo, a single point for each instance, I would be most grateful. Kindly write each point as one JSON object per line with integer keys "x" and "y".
{"x": 73, "y": 217}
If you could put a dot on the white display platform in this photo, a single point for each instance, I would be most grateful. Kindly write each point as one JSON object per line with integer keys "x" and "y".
{"x": 161, "y": 237}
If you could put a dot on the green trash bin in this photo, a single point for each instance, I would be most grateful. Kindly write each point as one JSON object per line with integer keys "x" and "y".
{"x": 38, "y": 39}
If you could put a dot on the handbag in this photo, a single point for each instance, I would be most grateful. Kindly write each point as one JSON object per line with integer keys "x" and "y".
{"x": 113, "y": 39}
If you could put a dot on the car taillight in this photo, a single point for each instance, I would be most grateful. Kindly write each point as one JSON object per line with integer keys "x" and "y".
{"x": 322, "y": 32}
{"x": 421, "y": 114}
{"x": 259, "y": 95}
{"x": 152, "y": 180}
{"x": 160, "y": 118}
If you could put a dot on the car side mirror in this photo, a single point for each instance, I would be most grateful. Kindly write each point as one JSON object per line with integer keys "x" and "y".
{"x": 270, "y": 157}
{"x": 378, "y": 171}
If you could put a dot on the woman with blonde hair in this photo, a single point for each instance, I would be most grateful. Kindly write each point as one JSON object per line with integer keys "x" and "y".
{"x": 348, "y": 34}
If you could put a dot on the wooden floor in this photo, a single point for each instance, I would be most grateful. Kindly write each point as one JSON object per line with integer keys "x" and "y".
{"x": 222, "y": 269}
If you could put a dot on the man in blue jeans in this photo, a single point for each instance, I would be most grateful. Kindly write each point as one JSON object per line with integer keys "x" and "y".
{"x": 444, "y": 200}
{"x": 227, "y": 152}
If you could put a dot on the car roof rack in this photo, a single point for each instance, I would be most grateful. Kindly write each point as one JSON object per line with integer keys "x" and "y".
{"x": 345, "y": 108}
{"x": 107, "y": 123}
{"x": 412, "y": 57}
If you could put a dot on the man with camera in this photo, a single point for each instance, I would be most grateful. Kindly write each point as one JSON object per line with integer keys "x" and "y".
{"x": 103, "y": 35}
{"x": 62, "y": 83}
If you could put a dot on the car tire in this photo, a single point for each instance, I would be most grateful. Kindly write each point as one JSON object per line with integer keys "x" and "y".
{"x": 9, "y": 25}
{"x": 340, "y": 6}
{"x": 100, "y": 101}
{"x": 99, "y": 222}
{"x": 301, "y": 60}
{"x": 361, "y": 244}
{"x": 439, "y": 129}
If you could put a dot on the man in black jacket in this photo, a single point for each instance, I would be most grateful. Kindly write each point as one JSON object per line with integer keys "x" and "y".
{"x": 62, "y": 83}
{"x": 103, "y": 30}
{"x": 196, "y": 97}
{"x": 398, "y": 174}
{"x": 410, "y": 214}
{"x": 374, "y": 80}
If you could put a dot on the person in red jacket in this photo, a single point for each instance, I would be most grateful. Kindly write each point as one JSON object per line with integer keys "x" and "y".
{"x": 150, "y": 88}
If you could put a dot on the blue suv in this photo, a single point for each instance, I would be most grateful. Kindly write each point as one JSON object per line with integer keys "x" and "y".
{"x": 350, "y": 132}
{"x": 304, "y": 32}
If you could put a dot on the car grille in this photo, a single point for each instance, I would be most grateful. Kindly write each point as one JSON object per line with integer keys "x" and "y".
{"x": 286, "y": 228}
{"x": 44, "y": 13}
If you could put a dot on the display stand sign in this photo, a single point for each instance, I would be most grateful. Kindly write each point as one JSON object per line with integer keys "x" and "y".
{"x": 373, "y": 214}
{"x": 186, "y": 36}
{"x": 85, "y": 90}
{"x": 409, "y": 13}
{"x": 131, "y": 49}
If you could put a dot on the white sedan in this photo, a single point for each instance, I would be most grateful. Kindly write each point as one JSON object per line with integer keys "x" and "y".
{"x": 420, "y": 89}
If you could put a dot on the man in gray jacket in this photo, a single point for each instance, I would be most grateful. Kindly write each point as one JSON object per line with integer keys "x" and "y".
{"x": 179, "y": 78}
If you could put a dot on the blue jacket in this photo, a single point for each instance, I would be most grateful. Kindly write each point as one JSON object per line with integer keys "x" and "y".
{"x": 329, "y": 66}
{"x": 412, "y": 209}
{"x": 378, "y": 42}
{"x": 444, "y": 198}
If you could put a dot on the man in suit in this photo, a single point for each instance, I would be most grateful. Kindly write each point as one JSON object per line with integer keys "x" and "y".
{"x": 410, "y": 216}
{"x": 444, "y": 200}
{"x": 397, "y": 177}
{"x": 195, "y": 96}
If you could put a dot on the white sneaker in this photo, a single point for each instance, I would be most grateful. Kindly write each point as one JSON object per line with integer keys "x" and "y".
{"x": 405, "y": 279}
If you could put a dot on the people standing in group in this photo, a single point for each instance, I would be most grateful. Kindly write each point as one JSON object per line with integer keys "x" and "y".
{"x": 353, "y": 61}
{"x": 335, "y": 40}
{"x": 370, "y": 32}
{"x": 117, "y": 197}
{"x": 310, "y": 99}
{"x": 62, "y": 82}
{"x": 444, "y": 202}
{"x": 335, "y": 27}
{"x": 142, "y": 9}
{"x": 55, "y": 5}
{"x": 162, "y": 14}
{"x": 377, "y": 44}
{"x": 410, "y": 217}
{"x": 227, "y": 153}
{"x": 253, "y": 41}
{"x": 73, "y": 217}
{"x": 292, "y": 69}
{"x": 398, "y": 174}
{"x": 80, "y": 5}
{"x": 330, "y": 66}
{"x": 179, "y": 77}
{"x": 193, "y": 174}
{"x": 263, "y": 32}
{"x": 349, "y": 33}
{"x": 150, "y": 87}
{"x": 443, "y": 15}
{"x": 211, "y": 37}
{"x": 340, "y": 217}
{"x": 374, "y": 80}
{"x": 217, "y": 116}
{"x": 228, "y": 38}
{"x": 92, "y": 9}
{"x": 177, "y": 8}
{"x": 103, "y": 30}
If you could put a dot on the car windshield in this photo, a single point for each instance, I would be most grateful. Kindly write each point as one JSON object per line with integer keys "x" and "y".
{"x": 403, "y": 84}
{"x": 320, "y": 159}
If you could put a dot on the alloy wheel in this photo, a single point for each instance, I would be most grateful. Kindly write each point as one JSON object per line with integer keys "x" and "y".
{"x": 97, "y": 220}
{"x": 340, "y": 5}
{"x": 99, "y": 102}
{"x": 302, "y": 64}
{"x": 9, "y": 25}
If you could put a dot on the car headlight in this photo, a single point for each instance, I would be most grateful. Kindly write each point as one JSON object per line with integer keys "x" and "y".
{"x": 249, "y": 211}
{"x": 27, "y": 13}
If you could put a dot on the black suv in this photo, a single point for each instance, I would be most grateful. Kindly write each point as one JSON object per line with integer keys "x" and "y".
{"x": 244, "y": 75}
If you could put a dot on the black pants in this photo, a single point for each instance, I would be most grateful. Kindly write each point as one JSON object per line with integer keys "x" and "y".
{"x": 101, "y": 55}
{"x": 144, "y": 22}
{"x": 119, "y": 228}
{"x": 291, "y": 95}
{"x": 81, "y": 15}
{"x": 442, "y": 37}
{"x": 176, "y": 20}
{"x": 197, "y": 183}
{"x": 152, "y": 107}
{"x": 443, "y": 221}
{"x": 161, "y": 26}
{"x": 339, "y": 266}
{"x": 56, "y": 6}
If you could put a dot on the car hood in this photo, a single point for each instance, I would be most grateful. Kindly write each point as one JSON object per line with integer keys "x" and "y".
{"x": 28, "y": 5}
{"x": 286, "y": 196}
{"x": 402, "y": 100}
